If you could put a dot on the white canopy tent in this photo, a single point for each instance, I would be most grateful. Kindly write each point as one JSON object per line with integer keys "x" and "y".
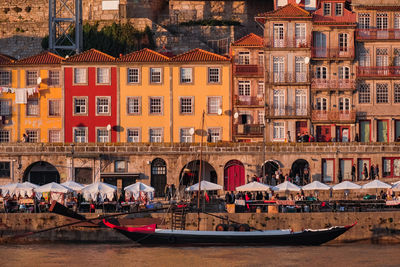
{"x": 99, "y": 191}
{"x": 346, "y": 185}
{"x": 205, "y": 186}
{"x": 73, "y": 185}
{"x": 18, "y": 189}
{"x": 396, "y": 187}
{"x": 138, "y": 187}
{"x": 286, "y": 186}
{"x": 52, "y": 187}
{"x": 376, "y": 184}
{"x": 316, "y": 185}
{"x": 253, "y": 186}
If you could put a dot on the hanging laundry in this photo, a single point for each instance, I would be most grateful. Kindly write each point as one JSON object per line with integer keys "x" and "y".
{"x": 20, "y": 96}
{"x": 31, "y": 91}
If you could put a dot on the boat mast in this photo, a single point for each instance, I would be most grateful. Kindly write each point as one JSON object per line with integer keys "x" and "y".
{"x": 200, "y": 167}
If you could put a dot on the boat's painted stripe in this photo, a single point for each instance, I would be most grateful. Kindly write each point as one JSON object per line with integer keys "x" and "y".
{"x": 223, "y": 233}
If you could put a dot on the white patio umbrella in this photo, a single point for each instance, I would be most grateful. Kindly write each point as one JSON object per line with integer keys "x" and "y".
{"x": 316, "y": 185}
{"x": 52, "y": 187}
{"x": 286, "y": 186}
{"x": 138, "y": 187}
{"x": 207, "y": 186}
{"x": 396, "y": 187}
{"x": 253, "y": 186}
{"x": 100, "y": 189}
{"x": 73, "y": 185}
{"x": 346, "y": 185}
{"x": 18, "y": 189}
{"x": 376, "y": 184}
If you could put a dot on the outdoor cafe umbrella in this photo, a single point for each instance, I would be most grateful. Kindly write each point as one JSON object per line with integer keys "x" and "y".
{"x": 316, "y": 185}
{"x": 207, "y": 186}
{"x": 396, "y": 187}
{"x": 138, "y": 187}
{"x": 253, "y": 186}
{"x": 346, "y": 185}
{"x": 52, "y": 187}
{"x": 18, "y": 189}
{"x": 73, "y": 185}
{"x": 99, "y": 189}
{"x": 286, "y": 186}
{"x": 376, "y": 184}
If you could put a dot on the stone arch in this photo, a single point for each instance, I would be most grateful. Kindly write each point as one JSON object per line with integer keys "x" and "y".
{"x": 271, "y": 166}
{"x": 189, "y": 174}
{"x": 40, "y": 173}
{"x": 234, "y": 175}
{"x": 302, "y": 168}
{"x": 159, "y": 176}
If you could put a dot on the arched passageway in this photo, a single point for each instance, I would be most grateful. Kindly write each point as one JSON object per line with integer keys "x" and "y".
{"x": 41, "y": 173}
{"x": 301, "y": 168}
{"x": 159, "y": 176}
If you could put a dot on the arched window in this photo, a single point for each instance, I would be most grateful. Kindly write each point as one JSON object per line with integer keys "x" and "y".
{"x": 344, "y": 73}
{"x": 344, "y": 104}
{"x": 321, "y": 103}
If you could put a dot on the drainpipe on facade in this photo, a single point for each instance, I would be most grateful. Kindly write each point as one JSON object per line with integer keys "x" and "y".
{"x": 171, "y": 106}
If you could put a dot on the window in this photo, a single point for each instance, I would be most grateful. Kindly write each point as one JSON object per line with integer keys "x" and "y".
{"x": 397, "y": 22}
{"x": 301, "y": 102}
{"x": 213, "y": 104}
{"x": 80, "y": 105}
{"x": 54, "y": 136}
{"x": 83, "y": 175}
{"x": 32, "y": 107}
{"x": 382, "y": 130}
{"x": 156, "y": 105}
{"x": 344, "y": 73}
{"x": 120, "y": 166}
{"x": 31, "y": 78}
{"x": 279, "y": 130}
{"x": 396, "y": 97}
{"x": 133, "y": 135}
{"x": 260, "y": 89}
{"x": 343, "y": 42}
{"x": 54, "y": 108}
{"x": 103, "y": 136}
{"x": 382, "y": 95}
{"x": 364, "y": 60}
{"x": 80, "y": 135}
{"x": 381, "y": 21}
{"x": 54, "y": 78}
{"x": 279, "y": 102}
{"x": 4, "y": 136}
{"x": 186, "y": 137}
{"x": 261, "y": 58}
{"x": 134, "y": 106}
{"x": 186, "y": 75}
{"x": 213, "y": 75}
{"x": 364, "y": 93}
{"x": 156, "y": 135}
{"x": 382, "y": 59}
{"x": 396, "y": 57}
{"x": 321, "y": 103}
{"x": 391, "y": 167}
{"x": 4, "y": 169}
{"x": 300, "y": 69}
{"x": 186, "y": 105}
{"x": 261, "y": 117}
{"x": 300, "y": 34}
{"x": 339, "y": 9}
{"x": 244, "y": 58}
{"x": 133, "y": 75}
{"x": 80, "y": 76}
{"x": 155, "y": 75}
{"x": 363, "y": 21}
{"x": 5, "y": 78}
{"x": 103, "y": 105}
{"x": 279, "y": 69}
{"x": 5, "y": 107}
{"x": 244, "y": 88}
{"x": 327, "y": 9}
{"x": 344, "y": 104}
{"x": 321, "y": 73}
{"x": 33, "y": 136}
{"x": 214, "y": 135}
{"x": 278, "y": 35}
{"x": 103, "y": 75}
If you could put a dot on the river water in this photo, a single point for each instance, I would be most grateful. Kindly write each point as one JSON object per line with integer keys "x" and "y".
{"x": 128, "y": 254}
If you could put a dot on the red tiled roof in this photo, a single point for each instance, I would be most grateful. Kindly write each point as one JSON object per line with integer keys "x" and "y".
{"x": 144, "y": 55}
{"x": 199, "y": 55}
{"x": 44, "y": 58}
{"x": 92, "y": 55}
{"x": 5, "y": 60}
{"x": 250, "y": 40}
{"x": 290, "y": 11}
{"x": 347, "y": 18}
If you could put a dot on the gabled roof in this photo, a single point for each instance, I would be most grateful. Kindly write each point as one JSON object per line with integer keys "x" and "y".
{"x": 44, "y": 58}
{"x": 5, "y": 60}
{"x": 199, "y": 55}
{"x": 250, "y": 40}
{"x": 92, "y": 55}
{"x": 288, "y": 11}
{"x": 144, "y": 55}
{"x": 348, "y": 17}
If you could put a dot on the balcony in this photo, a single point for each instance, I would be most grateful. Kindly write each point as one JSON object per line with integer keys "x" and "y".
{"x": 377, "y": 34}
{"x": 248, "y": 70}
{"x": 248, "y": 129}
{"x": 289, "y": 42}
{"x": 344, "y": 84}
{"x": 288, "y": 77}
{"x": 249, "y": 100}
{"x": 287, "y": 112}
{"x": 345, "y": 116}
{"x": 389, "y": 71}
{"x": 332, "y": 53}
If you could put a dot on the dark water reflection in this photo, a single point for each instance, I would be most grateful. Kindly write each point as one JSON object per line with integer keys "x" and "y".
{"x": 130, "y": 255}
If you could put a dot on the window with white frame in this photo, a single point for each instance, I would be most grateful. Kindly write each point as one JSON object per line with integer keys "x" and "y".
{"x": 279, "y": 69}
{"x": 5, "y": 107}
{"x": 80, "y": 75}
{"x": 134, "y": 106}
{"x": 214, "y": 135}
{"x": 32, "y": 107}
{"x": 4, "y": 136}
{"x": 80, "y": 135}
{"x": 344, "y": 104}
{"x": 5, "y": 78}
{"x": 364, "y": 21}
{"x": 381, "y": 21}
{"x": 327, "y": 9}
{"x": 133, "y": 135}
{"x": 244, "y": 88}
{"x": 103, "y": 105}
{"x": 396, "y": 91}
{"x": 186, "y": 105}
{"x": 214, "y": 75}
{"x": 321, "y": 73}
{"x": 397, "y": 21}
{"x": 300, "y": 69}
{"x": 382, "y": 57}
{"x": 80, "y": 105}
{"x": 344, "y": 73}
{"x": 261, "y": 59}
{"x": 244, "y": 58}
{"x": 103, "y": 136}
{"x": 186, "y": 75}
{"x": 156, "y": 105}
{"x": 364, "y": 58}
{"x": 301, "y": 102}
{"x": 133, "y": 75}
{"x": 339, "y": 9}
{"x": 364, "y": 93}
{"x": 261, "y": 117}
{"x": 103, "y": 75}
{"x": 155, "y": 75}
{"x": 54, "y": 107}
{"x": 382, "y": 95}
{"x": 54, "y": 136}
{"x": 279, "y": 130}
{"x": 31, "y": 78}
{"x": 33, "y": 136}
{"x": 396, "y": 57}
{"x": 343, "y": 42}
{"x": 321, "y": 103}
{"x": 186, "y": 137}
{"x": 279, "y": 102}
{"x": 156, "y": 135}
{"x": 54, "y": 78}
{"x": 300, "y": 34}
{"x": 279, "y": 40}
{"x": 260, "y": 89}
{"x": 213, "y": 104}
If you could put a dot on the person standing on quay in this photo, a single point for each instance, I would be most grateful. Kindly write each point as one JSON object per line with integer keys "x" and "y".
{"x": 377, "y": 171}
{"x": 372, "y": 172}
{"x": 365, "y": 171}
{"x": 353, "y": 173}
